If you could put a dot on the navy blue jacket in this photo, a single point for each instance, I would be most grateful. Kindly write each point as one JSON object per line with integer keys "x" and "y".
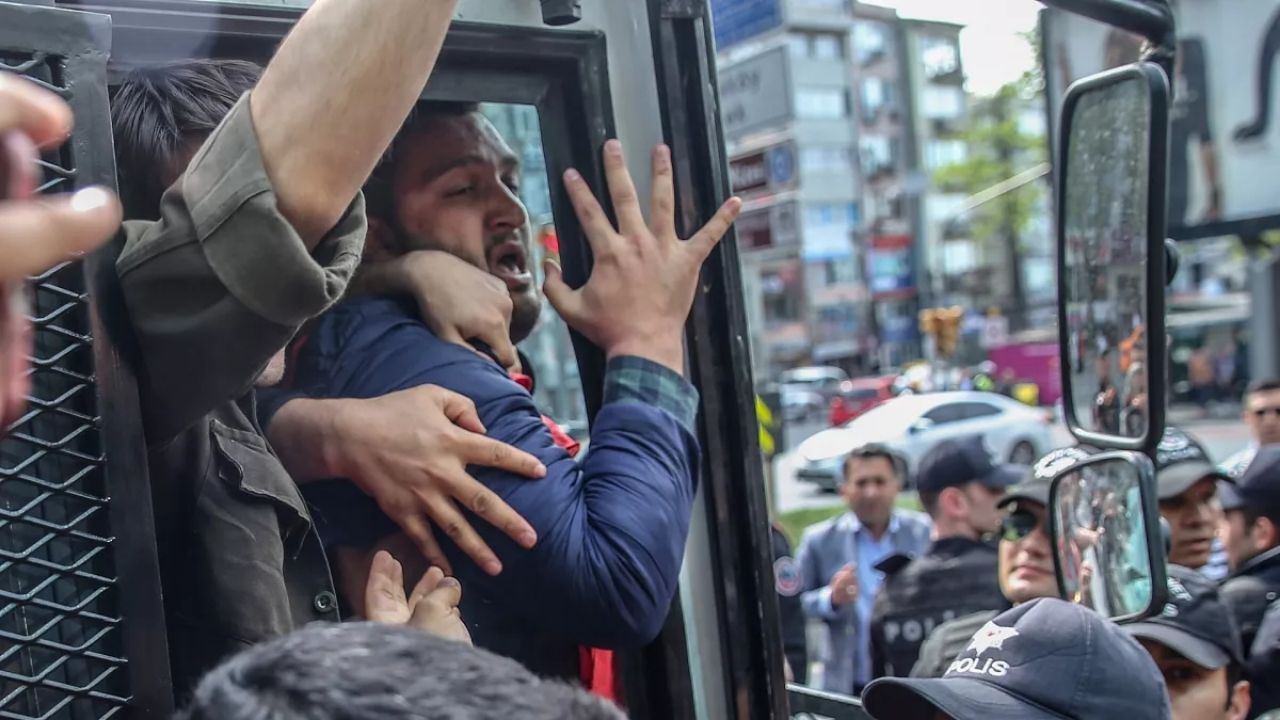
{"x": 611, "y": 530}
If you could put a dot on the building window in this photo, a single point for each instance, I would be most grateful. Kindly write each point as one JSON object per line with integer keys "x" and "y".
{"x": 816, "y": 46}
{"x": 826, "y": 46}
{"x": 944, "y": 102}
{"x": 870, "y": 42}
{"x": 819, "y": 159}
{"x": 782, "y": 295}
{"x": 941, "y": 153}
{"x": 821, "y": 104}
{"x": 826, "y": 4}
{"x": 798, "y": 44}
{"x": 941, "y": 57}
{"x": 876, "y": 154}
{"x": 831, "y": 215}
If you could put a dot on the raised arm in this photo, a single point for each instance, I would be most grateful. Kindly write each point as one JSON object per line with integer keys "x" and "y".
{"x": 335, "y": 95}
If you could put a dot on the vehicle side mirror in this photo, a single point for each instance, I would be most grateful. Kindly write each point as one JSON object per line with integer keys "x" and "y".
{"x": 1104, "y": 528}
{"x": 919, "y": 426}
{"x": 1112, "y": 165}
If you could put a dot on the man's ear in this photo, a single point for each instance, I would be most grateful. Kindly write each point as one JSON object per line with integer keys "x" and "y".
{"x": 380, "y": 242}
{"x": 1239, "y": 701}
{"x": 1265, "y": 533}
{"x": 952, "y": 502}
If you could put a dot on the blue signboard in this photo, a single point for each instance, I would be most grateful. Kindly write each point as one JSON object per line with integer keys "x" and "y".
{"x": 738, "y": 20}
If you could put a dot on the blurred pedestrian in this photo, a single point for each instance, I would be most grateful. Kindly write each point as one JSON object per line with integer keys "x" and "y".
{"x": 1253, "y": 540}
{"x": 1261, "y": 412}
{"x": 787, "y": 582}
{"x": 959, "y": 487}
{"x": 838, "y": 562}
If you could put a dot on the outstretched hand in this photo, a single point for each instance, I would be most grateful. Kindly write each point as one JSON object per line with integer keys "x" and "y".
{"x": 644, "y": 277}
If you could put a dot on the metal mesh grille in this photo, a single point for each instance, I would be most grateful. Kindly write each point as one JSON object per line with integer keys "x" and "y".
{"x": 60, "y": 644}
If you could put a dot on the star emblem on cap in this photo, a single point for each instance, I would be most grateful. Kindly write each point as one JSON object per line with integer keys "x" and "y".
{"x": 991, "y": 637}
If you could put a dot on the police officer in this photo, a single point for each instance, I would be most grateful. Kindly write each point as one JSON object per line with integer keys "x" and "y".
{"x": 1186, "y": 485}
{"x": 1025, "y": 561}
{"x": 1264, "y": 665}
{"x": 959, "y": 487}
{"x": 1252, "y": 506}
{"x": 1196, "y": 644}
{"x": 1044, "y": 660}
{"x": 788, "y": 583}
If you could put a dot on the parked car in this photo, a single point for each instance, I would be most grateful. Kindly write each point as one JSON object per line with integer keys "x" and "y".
{"x": 911, "y": 425}
{"x": 819, "y": 379}
{"x": 800, "y": 403}
{"x": 858, "y": 396}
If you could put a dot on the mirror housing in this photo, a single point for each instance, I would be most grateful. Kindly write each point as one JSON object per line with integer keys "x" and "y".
{"x": 1139, "y": 417}
{"x": 920, "y": 426}
{"x": 1105, "y": 533}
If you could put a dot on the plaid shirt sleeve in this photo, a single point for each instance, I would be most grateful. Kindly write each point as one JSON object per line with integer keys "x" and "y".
{"x": 635, "y": 379}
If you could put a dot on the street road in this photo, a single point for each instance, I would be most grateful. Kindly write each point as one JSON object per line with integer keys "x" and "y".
{"x": 1220, "y": 437}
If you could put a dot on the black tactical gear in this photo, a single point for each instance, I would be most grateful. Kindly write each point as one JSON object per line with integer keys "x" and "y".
{"x": 956, "y": 577}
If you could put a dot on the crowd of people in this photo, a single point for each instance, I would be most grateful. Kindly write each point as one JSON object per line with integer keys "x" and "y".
{"x": 917, "y": 606}
{"x": 322, "y": 303}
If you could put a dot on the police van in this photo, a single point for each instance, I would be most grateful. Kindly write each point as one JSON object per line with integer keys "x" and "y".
{"x": 81, "y": 617}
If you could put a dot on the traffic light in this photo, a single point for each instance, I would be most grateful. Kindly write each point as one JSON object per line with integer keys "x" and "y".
{"x": 948, "y": 323}
{"x": 928, "y": 322}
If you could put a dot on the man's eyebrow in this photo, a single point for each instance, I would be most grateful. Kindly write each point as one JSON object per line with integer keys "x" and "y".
{"x": 506, "y": 162}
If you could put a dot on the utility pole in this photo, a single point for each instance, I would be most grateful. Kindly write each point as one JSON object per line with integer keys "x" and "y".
{"x": 1264, "y": 287}
{"x": 1010, "y": 233}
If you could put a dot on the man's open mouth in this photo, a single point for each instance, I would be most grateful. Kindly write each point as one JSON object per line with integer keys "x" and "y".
{"x": 509, "y": 261}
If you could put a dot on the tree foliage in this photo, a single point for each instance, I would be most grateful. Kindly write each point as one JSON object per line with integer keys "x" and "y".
{"x": 998, "y": 149}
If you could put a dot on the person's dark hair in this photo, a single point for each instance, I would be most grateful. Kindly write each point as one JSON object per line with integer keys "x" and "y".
{"x": 1262, "y": 385}
{"x": 929, "y": 501}
{"x": 157, "y": 110}
{"x": 356, "y": 671}
{"x": 1252, "y": 515}
{"x": 379, "y": 199}
{"x": 1235, "y": 673}
{"x": 871, "y": 451}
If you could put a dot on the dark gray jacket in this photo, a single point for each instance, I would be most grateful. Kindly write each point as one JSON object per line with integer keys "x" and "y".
{"x": 213, "y": 290}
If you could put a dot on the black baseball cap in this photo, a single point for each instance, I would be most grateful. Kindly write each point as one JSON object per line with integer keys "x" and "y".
{"x": 1045, "y": 660}
{"x": 1036, "y": 487}
{"x": 1180, "y": 463}
{"x": 1195, "y": 623}
{"x": 959, "y": 461}
{"x": 1258, "y": 487}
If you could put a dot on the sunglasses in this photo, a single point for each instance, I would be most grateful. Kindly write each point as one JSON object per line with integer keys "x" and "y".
{"x": 1017, "y": 525}
{"x": 1263, "y": 412}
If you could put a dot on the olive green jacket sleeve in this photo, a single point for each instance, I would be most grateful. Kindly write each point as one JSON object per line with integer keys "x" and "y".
{"x": 221, "y": 282}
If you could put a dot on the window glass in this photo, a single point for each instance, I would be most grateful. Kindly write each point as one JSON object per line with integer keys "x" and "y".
{"x": 944, "y": 414}
{"x": 974, "y": 410}
{"x": 870, "y": 41}
{"x": 941, "y": 56}
{"x": 873, "y": 96}
{"x": 827, "y": 46}
{"x": 798, "y": 44}
{"x": 943, "y": 102}
{"x": 824, "y": 159}
{"x": 821, "y": 103}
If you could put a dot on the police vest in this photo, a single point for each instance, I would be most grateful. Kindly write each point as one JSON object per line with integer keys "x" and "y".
{"x": 957, "y": 577}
